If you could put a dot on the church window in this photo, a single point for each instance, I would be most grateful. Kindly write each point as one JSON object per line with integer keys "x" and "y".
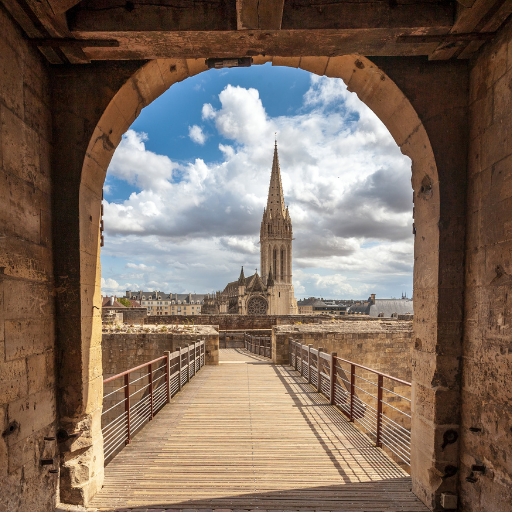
{"x": 282, "y": 264}
{"x": 274, "y": 263}
{"x": 257, "y": 306}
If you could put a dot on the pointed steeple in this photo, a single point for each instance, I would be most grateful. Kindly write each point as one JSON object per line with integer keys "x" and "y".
{"x": 241, "y": 279}
{"x": 275, "y": 201}
{"x": 270, "y": 280}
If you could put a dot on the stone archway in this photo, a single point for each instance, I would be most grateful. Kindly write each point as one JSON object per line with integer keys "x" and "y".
{"x": 83, "y": 472}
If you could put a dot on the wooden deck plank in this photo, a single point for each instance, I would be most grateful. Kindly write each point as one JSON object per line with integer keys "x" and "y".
{"x": 248, "y": 434}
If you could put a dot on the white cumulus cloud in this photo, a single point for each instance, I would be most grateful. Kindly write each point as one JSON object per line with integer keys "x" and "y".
{"x": 196, "y": 134}
{"x": 345, "y": 181}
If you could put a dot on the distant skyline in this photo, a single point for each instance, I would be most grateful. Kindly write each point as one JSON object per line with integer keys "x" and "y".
{"x": 186, "y": 188}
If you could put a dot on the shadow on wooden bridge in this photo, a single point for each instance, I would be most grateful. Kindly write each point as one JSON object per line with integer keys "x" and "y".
{"x": 248, "y": 434}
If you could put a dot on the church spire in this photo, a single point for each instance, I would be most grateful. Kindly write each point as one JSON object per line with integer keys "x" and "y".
{"x": 241, "y": 279}
{"x": 275, "y": 201}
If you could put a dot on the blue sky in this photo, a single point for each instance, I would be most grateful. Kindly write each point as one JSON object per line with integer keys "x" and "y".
{"x": 186, "y": 188}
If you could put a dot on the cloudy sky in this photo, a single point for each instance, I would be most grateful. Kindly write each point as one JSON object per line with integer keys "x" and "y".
{"x": 186, "y": 188}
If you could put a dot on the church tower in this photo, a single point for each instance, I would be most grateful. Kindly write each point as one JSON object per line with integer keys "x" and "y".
{"x": 276, "y": 237}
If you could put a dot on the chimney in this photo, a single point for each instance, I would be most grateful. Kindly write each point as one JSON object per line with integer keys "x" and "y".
{"x": 129, "y": 294}
{"x": 112, "y": 300}
{"x": 373, "y": 298}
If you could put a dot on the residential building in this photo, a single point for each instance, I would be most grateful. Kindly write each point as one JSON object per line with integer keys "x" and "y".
{"x": 161, "y": 303}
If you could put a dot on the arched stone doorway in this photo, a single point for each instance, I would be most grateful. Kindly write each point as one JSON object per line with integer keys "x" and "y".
{"x": 436, "y": 238}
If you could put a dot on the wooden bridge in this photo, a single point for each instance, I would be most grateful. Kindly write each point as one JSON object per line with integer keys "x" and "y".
{"x": 249, "y": 435}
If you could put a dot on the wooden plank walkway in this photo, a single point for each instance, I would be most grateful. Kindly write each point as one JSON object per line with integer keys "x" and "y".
{"x": 249, "y": 435}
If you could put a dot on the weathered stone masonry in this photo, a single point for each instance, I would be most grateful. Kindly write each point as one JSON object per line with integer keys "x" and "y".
{"x": 28, "y": 410}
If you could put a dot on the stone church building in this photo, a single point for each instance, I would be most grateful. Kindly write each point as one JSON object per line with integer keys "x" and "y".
{"x": 272, "y": 292}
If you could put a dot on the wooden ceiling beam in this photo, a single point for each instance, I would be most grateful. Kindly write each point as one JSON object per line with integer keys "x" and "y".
{"x": 242, "y": 43}
{"x": 38, "y": 21}
{"x": 483, "y": 16}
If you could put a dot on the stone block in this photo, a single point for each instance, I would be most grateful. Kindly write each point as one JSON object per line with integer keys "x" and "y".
{"x": 25, "y": 260}
{"x": 479, "y": 188}
{"x": 316, "y": 65}
{"x": 21, "y": 151}
{"x": 11, "y": 83}
{"x": 481, "y": 114}
{"x": 101, "y": 148}
{"x": 33, "y": 413}
{"x": 20, "y": 207}
{"x": 28, "y": 299}
{"x": 290, "y": 62}
{"x": 496, "y": 143}
{"x": 90, "y": 211}
{"x": 112, "y": 125}
{"x": 40, "y": 376}
{"x": 28, "y": 337}
{"x": 475, "y": 156}
{"x": 172, "y": 70}
{"x": 13, "y": 381}
{"x": 37, "y": 114}
{"x": 499, "y": 181}
{"x": 149, "y": 82}
{"x": 196, "y": 66}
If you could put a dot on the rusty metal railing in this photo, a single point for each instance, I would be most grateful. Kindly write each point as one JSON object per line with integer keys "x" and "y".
{"x": 261, "y": 345}
{"x": 132, "y": 398}
{"x": 366, "y": 396}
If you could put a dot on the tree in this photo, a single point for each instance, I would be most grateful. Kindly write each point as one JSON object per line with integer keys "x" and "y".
{"x": 125, "y": 302}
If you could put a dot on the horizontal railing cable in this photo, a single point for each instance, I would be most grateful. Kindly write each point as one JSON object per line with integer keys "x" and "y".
{"x": 144, "y": 391}
{"x": 349, "y": 386}
{"x": 260, "y": 345}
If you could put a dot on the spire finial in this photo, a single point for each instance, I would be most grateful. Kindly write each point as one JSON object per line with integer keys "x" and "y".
{"x": 275, "y": 201}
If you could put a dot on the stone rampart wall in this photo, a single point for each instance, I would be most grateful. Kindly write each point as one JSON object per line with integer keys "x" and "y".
{"x": 136, "y": 316}
{"x": 28, "y": 410}
{"x": 486, "y": 431}
{"x": 123, "y": 350}
{"x": 234, "y": 322}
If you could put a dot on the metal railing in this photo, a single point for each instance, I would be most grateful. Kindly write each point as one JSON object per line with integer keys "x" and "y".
{"x": 384, "y": 416}
{"x": 132, "y": 398}
{"x": 261, "y": 345}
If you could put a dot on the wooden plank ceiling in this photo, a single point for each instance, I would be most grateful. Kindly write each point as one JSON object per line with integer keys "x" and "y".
{"x": 81, "y": 31}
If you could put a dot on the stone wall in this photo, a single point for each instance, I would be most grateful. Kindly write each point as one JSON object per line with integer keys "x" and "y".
{"x": 27, "y": 328}
{"x": 124, "y": 350}
{"x": 383, "y": 346}
{"x": 486, "y": 430}
{"x": 130, "y": 315}
{"x": 237, "y": 322}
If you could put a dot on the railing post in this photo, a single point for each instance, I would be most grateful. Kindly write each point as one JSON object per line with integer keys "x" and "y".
{"x": 127, "y": 407}
{"x": 188, "y": 363}
{"x": 379, "y": 410}
{"x": 302, "y": 360}
{"x": 319, "y": 370}
{"x": 168, "y": 376}
{"x": 296, "y": 356}
{"x": 179, "y": 368}
{"x": 150, "y": 368}
{"x": 352, "y": 389}
{"x": 309, "y": 363}
{"x": 333, "y": 375}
